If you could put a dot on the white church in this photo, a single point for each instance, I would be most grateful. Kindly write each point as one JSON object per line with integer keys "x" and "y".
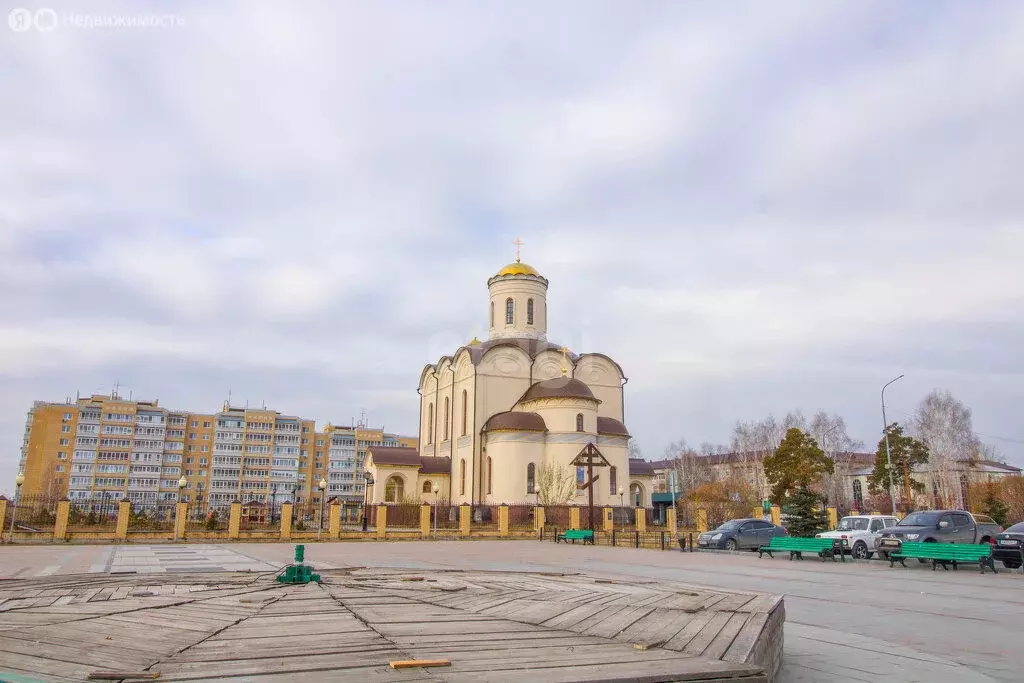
{"x": 498, "y": 416}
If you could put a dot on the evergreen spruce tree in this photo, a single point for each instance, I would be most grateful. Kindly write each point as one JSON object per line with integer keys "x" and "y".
{"x": 806, "y": 513}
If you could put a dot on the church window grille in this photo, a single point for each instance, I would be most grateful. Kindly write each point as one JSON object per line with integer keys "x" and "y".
{"x": 490, "y": 472}
{"x": 510, "y": 311}
{"x": 465, "y": 410}
{"x": 428, "y": 487}
{"x": 446, "y": 413}
{"x": 531, "y": 478}
{"x": 430, "y": 424}
{"x": 579, "y": 422}
{"x": 394, "y": 489}
{"x": 462, "y": 477}
{"x": 529, "y": 311}
{"x": 858, "y": 494}
{"x": 612, "y": 484}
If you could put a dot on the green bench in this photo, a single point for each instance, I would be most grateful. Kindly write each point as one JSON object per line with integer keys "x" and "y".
{"x": 945, "y": 553}
{"x": 796, "y": 547}
{"x": 585, "y": 535}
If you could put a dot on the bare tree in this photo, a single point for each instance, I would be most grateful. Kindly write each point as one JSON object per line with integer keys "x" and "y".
{"x": 556, "y": 485}
{"x": 693, "y": 469}
{"x": 830, "y": 433}
{"x": 944, "y": 424}
{"x": 635, "y": 451}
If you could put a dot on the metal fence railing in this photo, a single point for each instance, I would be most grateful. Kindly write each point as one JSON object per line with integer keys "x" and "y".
{"x": 92, "y": 515}
{"x": 32, "y": 514}
{"x": 403, "y": 516}
{"x": 521, "y": 517}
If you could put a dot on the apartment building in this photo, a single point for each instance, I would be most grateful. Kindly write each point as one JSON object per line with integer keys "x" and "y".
{"x": 105, "y": 447}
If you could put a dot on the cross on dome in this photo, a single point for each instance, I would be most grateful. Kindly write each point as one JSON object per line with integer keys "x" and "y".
{"x": 519, "y": 243}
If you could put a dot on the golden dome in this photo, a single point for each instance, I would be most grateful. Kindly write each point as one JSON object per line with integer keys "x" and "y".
{"x": 518, "y": 268}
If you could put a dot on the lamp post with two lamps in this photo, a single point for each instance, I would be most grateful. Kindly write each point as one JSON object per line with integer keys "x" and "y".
{"x": 888, "y": 458}
{"x": 182, "y": 483}
{"x": 368, "y": 479}
{"x": 323, "y": 500}
{"x": 437, "y": 490}
{"x": 18, "y": 481}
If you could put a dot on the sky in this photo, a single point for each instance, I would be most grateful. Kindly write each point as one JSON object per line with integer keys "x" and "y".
{"x": 753, "y": 207}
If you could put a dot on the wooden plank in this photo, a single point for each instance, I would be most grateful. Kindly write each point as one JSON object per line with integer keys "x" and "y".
{"x": 700, "y": 641}
{"x": 747, "y": 638}
{"x": 119, "y": 675}
{"x": 723, "y": 641}
{"x": 419, "y": 663}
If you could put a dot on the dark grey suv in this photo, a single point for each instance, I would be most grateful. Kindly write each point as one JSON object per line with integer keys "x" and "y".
{"x": 740, "y": 534}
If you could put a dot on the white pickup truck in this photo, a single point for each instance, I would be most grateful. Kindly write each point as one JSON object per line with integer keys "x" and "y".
{"x": 860, "y": 533}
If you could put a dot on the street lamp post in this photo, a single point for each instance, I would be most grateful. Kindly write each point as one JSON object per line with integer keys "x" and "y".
{"x": 18, "y": 481}
{"x": 437, "y": 490}
{"x": 622, "y": 492}
{"x": 323, "y": 499}
{"x": 182, "y": 483}
{"x": 888, "y": 458}
{"x": 273, "y": 501}
{"x": 368, "y": 482}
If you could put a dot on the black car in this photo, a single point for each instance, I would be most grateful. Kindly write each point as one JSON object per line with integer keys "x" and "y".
{"x": 740, "y": 534}
{"x": 1009, "y": 546}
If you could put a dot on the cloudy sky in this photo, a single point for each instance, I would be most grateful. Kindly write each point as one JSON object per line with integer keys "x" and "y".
{"x": 753, "y": 207}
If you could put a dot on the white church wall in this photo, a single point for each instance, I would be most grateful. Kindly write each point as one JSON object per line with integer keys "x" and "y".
{"x": 560, "y": 413}
{"x": 520, "y": 290}
{"x": 428, "y": 397}
{"x": 548, "y": 365}
{"x": 510, "y": 454}
{"x": 605, "y": 380}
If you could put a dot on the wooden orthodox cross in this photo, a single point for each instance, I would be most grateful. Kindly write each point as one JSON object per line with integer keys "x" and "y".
{"x": 590, "y": 458}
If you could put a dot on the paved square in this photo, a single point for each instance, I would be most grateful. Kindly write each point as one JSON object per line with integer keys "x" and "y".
{"x": 845, "y": 622}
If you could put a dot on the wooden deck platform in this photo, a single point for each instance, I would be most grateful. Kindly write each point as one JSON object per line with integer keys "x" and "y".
{"x": 492, "y": 626}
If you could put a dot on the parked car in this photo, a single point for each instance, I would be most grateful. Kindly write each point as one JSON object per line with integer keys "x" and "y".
{"x": 1009, "y": 546}
{"x": 740, "y": 534}
{"x": 860, "y": 533}
{"x": 940, "y": 526}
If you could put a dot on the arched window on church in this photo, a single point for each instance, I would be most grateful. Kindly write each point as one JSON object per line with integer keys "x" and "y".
{"x": 490, "y": 472}
{"x": 430, "y": 424}
{"x": 446, "y": 415}
{"x": 579, "y": 422}
{"x": 612, "y": 484}
{"x": 465, "y": 410}
{"x": 492, "y": 314}
{"x": 462, "y": 477}
{"x": 858, "y": 495}
{"x": 529, "y": 311}
{"x": 531, "y": 478}
{"x": 510, "y": 311}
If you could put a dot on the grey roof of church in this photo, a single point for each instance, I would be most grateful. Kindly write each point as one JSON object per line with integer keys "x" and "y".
{"x": 559, "y": 387}
{"x": 390, "y": 455}
{"x": 638, "y": 467}
{"x": 409, "y": 457}
{"x": 531, "y": 346}
{"x": 513, "y": 420}
{"x": 611, "y": 426}
{"x": 431, "y": 465}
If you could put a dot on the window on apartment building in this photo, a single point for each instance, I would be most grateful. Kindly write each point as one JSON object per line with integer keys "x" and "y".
{"x": 60, "y": 468}
{"x": 189, "y": 461}
{"x": 63, "y": 442}
{"x": 204, "y": 461}
{"x": 305, "y": 442}
{"x": 65, "y": 428}
{"x": 204, "y": 449}
{"x": 206, "y": 437}
{"x": 206, "y": 425}
{"x": 319, "y": 442}
{"x": 305, "y": 430}
{"x": 192, "y": 435}
{"x": 195, "y": 423}
{"x": 67, "y": 416}
{"x": 62, "y": 455}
